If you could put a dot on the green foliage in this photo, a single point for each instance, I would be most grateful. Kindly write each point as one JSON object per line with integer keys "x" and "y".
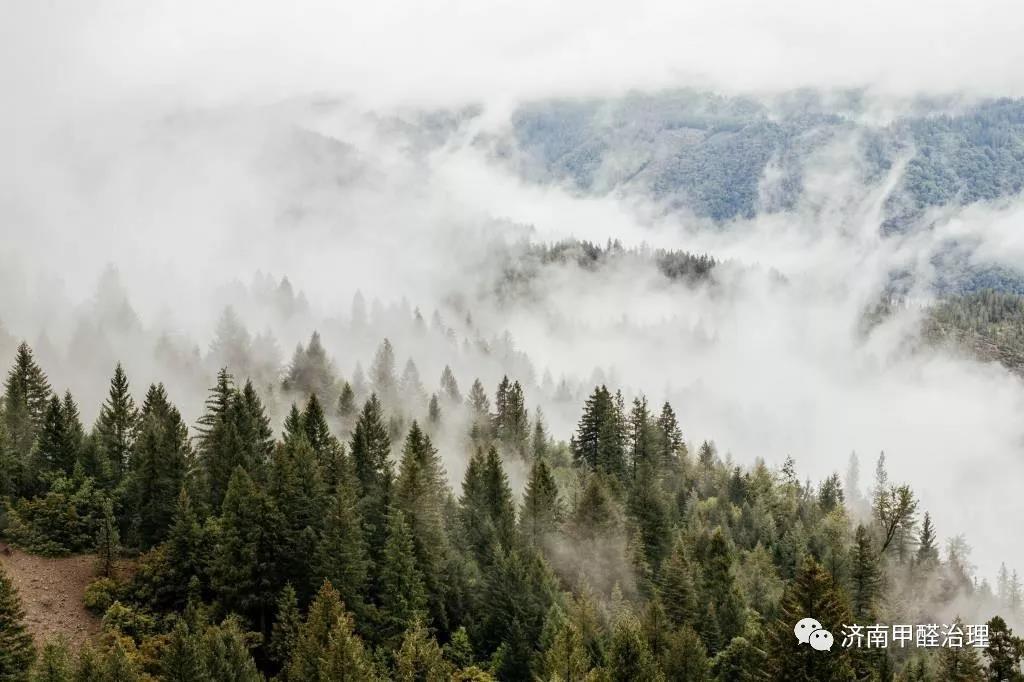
{"x": 100, "y": 594}
{"x": 245, "y": 565}
{"x": 116, "y": 428}
{"x": 160, "y": 466}
{"x": 16, "y": 649}
{"x": 26, "y": 396}
{"x": 66, "y": 519}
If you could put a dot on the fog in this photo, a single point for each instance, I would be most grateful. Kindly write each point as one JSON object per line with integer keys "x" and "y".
{"x": 191, "y": 146}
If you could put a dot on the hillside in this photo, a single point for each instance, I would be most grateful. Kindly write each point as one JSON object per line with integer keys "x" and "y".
{"x": 51, "y": 591}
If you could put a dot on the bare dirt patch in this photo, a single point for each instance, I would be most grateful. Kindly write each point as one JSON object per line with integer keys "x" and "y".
{"x": 51, "y": 592}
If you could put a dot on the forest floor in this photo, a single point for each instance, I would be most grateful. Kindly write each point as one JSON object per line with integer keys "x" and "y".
{"x": 51, "y": 593}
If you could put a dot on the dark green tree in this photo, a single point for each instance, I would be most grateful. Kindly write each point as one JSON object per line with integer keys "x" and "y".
{"x": 16, "y": 649}
{"x": 117, "y": 426}
{"x": 629, "y": 657}
{"x": 26, "y": 396}
{"x": 160, "y": 466}
{"x": 371, "y": 464}
{"x": 600, "y": 441}
{"x": 812, "y": 594}
{"x": 245, "y": 565}
{"x": 421, "y": 494}
{"x": 542, "y": 513}
{"x": 865, "y": 576}
{"x": 1004, "y": 652}
{"x": 341, "y": 556}
{"x": 403, "y": 596}
{"x": 284, "y": 634}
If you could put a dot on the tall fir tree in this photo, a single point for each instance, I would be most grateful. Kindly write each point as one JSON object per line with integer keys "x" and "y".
{"x": 402, "y": 596}
{"x": 160, "y": 466}
{"x": 599, "y": 442}
{"x": 865, "y": 576}
{"x": 297, "y": 492}
{"x": 421, "y": 493}
{"x": 542, "y": 512}
{"x": 245, "y": 565}
{"x": 383, "y": 377}
{"x": 487, "y": 513}
{"x": 26, "y": 396}
{"x": 116, "y": 427}
{"x": 450, "y": 387}
{"x": 218, "y": 441}
{"x": 811, "y": 592}
{"x": 371, "y": 464}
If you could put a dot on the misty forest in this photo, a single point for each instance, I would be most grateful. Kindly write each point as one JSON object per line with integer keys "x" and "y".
{"x": 326, "y": 358}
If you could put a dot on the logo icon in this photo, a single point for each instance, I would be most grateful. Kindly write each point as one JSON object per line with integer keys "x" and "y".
{"x": 809, "y": 631}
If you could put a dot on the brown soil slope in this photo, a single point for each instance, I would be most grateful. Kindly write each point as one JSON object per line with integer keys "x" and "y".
{"x": 51, "y": 592}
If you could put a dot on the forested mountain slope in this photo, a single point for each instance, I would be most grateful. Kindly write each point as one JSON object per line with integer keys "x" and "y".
{"x": 345, "y": 546}
{"x": 734, "y": 157}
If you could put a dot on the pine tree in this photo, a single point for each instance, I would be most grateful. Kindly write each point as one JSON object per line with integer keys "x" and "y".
{"x": 232, "y": 345}
{"x": 297, "y": 492}
{"x": 328, "y": 650}
{"x": 487, "y": 513}
{"x": 325, "y": 446}
{"x": 287, "y": 625}
{"x": 810, "y": 595}
{"x": 434, "y": 412}
{"x": 227, "y": 655}
{"x": 629, "y": 657}
{"x": 402, "y": 595}
{"x": 56, "y": 451}
{"x": 540, "y": 441}
{"x": 219, "y": 443}
{"x": 600, "y": 441}
{"x": 642, "y": 436}
{"x": 959, "y": 664}
{"x": 450, "y": 387}
{"x": 669, "y": 442}
{"x": 649, "y": 511}
{"x": 347, "y": 405}
{"x": 284, "y": 634}
{"x": 182, "y": 658}
{"x": 677, "y": 589}
{"x": 927, "y": 551}
{"x": 542, "y": 513}
{"x": 341, "y": 552}
{"x": 245, "y": 570}
{"x": 419, "y": 659}
{"x": 26, "y": 396}
{"x": 16, "y": 649}
{"x": 865, "y": 576}
{"x": 252, "y": 426}
{"x": 116, "y": 427}
{"x": 517, "y": 595}
{"x": 686, "y": 658}
{"x": 480, "y": 410}
{"x": 410, "y": 387}
{"x": 382, "y": 373}
{"x": 421, "y": 493}
{"x": 740, "y": 661}
{"x": 511, "y": 420}
{"x": 117, "y": 665}
{"x": 566, "y": 657}
{"x": 312, "y": 372}
{"x": 1004, "y": 652}
{"x": 371, "y": 451}
{"x": 54, "y": 663}
{"x": 160, "y": 465}
{"x": 186, "y": 553}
